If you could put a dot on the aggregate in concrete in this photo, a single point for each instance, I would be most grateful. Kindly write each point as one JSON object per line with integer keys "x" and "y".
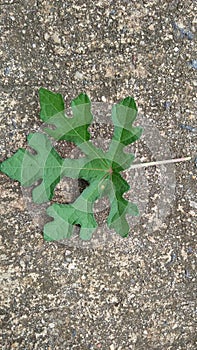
{"x": 141, "y": 293}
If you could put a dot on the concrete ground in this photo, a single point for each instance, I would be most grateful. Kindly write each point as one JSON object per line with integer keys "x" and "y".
{"x": 138, "y": 294}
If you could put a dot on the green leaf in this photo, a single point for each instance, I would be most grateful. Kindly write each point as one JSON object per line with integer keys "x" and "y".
{"x": 27, "y": 168}
{"x": 101, "y": 169}
{"x": 80, "y": 212}
{"x": 50, "y": 104}
{"x": 123, "y": 115}
{"x": 119, "y": 206}
{"x": 73, "y": 129}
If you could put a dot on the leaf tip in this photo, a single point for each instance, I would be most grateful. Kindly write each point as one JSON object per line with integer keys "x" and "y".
{"x": 129, "y": 102}
{"x": 82, "y": 98}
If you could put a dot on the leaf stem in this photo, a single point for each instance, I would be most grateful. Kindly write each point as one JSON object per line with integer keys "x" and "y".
{"x": 160, "y": 162}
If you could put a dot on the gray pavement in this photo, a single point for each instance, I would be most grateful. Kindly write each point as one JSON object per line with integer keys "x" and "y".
{"x": 139, "y": 293}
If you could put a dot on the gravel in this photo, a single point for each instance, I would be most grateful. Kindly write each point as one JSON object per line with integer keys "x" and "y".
{"x": 138, "y": 293}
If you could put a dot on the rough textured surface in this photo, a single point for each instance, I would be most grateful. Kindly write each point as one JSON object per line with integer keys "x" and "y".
{"x": 139, "y": 295}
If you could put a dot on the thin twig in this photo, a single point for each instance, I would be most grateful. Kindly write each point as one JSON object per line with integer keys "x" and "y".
{"x": 160, "y": 162}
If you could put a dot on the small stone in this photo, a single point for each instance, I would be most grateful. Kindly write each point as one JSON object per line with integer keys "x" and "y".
{"x": 46, "y": 36}
{"x": 50, "y": 77}
{"x": 193, "y": 204}
{"x": 114, "y": 300}
{"x": 68, "y": 260}
{"x": 132, "y": 296}
{"x": 151, "y": 27}
{"x": 67, "y": 252}
{"x": 109, "y": 72}
{"x": 56, "y": 38}
{"x": 71, "y": 266}
{"x": 78, "y": 75}
{"x": 51, "y": 325}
